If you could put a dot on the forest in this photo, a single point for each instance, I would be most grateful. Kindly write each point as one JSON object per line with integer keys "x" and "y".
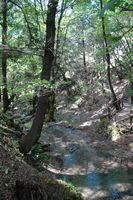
{"x": 66, "y": 100}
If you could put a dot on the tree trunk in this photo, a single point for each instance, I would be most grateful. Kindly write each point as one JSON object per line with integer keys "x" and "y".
{"x": 43, "y": 103}
{"x": 50, "y": 40}
{"x": 32, "y": 137}
{"x": 115, "y": 101}
{"x": 6, "y": 101}
{"x": 131, "y": 87}
{"x": 84, "y": 56}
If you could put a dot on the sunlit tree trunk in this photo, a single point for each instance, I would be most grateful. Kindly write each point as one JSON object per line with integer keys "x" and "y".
{"x": 43, "y": 103}
{"x": 115, "y": 101}
{"x": 6, "y": 101}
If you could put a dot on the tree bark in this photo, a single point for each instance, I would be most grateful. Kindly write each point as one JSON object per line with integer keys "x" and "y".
{"x": 6, "y": 100}
{"x": 50, "y": 40}
{"x": 32, "y": 137}
{"x": 115, "y": 101}
{"x": 131, "y": 86}
{"x": 43, "y": 103}
{"x": 84, "y": 56}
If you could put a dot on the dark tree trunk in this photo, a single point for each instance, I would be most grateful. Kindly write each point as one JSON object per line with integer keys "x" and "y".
{"x": 43, "y": 103}
{"x": 84, "y": 56}
{"x": 6, "y": 101}
{"x": 32, "y": 137}
{"x": 50, "y": 40}
{"x": 131, "y": 87}
{"x": 115, "y": 101}
{"x": 0, "y": 94}
{"x": 83, "y": 50}
{"x": 58, "y": 52}
{"x": 119, "y": 75}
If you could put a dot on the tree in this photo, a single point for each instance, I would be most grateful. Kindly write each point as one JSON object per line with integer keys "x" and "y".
{"x": 43, "y": 103}
{"x": 6, "y": 101}
{"x": 115, "y": 101}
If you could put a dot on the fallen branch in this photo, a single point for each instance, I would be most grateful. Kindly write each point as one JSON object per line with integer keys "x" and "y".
{"x": 126, "y": 118}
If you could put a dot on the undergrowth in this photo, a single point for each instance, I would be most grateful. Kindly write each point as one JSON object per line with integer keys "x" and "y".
{"x": 37, "y": 157}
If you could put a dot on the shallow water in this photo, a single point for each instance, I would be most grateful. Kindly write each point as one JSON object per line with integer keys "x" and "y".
{"x": 114, "y": 183}
{"x": 94, "y": 172}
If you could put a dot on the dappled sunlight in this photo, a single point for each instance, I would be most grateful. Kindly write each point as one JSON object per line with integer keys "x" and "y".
{"x": 66, "y": 99}
{"x": 99, "y": 166}
{"x": 86, "y": 124}
{"x": 124, "y": 113}
{"x": 94, "y": 184}
{"x": 110, "y": 164}
{"x": 94, "y": 167}
{"x": 94, "y": 194}
{"x": 122, "y": 86}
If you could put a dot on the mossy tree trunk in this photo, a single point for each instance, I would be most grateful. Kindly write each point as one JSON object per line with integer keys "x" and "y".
{"x": 43, "y": 103}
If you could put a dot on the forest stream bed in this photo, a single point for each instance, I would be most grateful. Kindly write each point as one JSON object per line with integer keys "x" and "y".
{"x": 99, "y": 168}
{"x": 82, "y": 153}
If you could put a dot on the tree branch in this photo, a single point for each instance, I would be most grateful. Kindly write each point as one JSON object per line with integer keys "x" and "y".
{"x": 26, "y": 20}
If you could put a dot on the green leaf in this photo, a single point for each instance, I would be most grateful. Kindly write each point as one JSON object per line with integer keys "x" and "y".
{"x": 111, "y": 5}
{"x": 114, "y": 39}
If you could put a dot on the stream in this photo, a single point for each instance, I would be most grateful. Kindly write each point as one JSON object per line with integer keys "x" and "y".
{"x": 87, "y": 163}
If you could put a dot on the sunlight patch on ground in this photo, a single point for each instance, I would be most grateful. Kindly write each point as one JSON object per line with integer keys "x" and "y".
{"x": 88, "y": 123}
{"x": 89, "y": 193}
{"x": 121, "y": 187}
{"x": 110, "y": 164}
{"x": 131, "y": 146}
{"x": 78, "y": 169}
{"x": 74, "y": 170}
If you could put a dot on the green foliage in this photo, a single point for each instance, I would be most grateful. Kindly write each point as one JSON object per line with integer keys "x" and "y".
{"x": 80, "y": 23}
{"x": 111, "y": 5}
{"x": 77, "y": 97}
{"x": 70, "y": 190}
{"x": 6, "y": 119}
{"x": 28, "y": 90}
{"x": 130, "y": 92}
{"x": 113, "y": 38}
{"x": 37, "y": 157}
{"x": 62, "y": 84}
{"x": 9, "y": 130}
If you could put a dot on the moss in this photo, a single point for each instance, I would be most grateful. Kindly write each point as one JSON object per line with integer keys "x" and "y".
{"x": 102, "y": 126}
{"x": 71, "y": 192}
{"x": 114, "y": 131}
{"x": 63, "y": 191}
